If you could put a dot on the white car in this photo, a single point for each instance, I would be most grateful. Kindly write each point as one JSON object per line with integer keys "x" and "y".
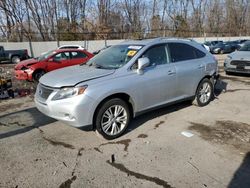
{"x": 71, "y": 47}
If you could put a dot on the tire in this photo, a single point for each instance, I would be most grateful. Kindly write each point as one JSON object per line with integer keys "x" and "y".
{"x": 38, "y": 74}
{"x": 15, "y": 59}
{"x": 110, "y": 124}
{"x": 204, "y": 93}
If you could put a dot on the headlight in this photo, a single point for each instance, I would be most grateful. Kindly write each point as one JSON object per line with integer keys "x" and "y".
{"x": 68, "y": 92}
{"x": 229, "y": 57}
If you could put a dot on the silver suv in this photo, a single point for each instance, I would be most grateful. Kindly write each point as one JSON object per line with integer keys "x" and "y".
{"x": 126, "y": 80}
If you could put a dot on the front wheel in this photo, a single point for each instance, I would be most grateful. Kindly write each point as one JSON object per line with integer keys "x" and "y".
{"x": 204, "y": 93}
{"x": 112, "y": 118}
{"x": 37, "y": 75}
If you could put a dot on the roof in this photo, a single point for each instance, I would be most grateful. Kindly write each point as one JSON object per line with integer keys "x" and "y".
{"x": 156, "y": 40}
{"x": 69, "y": 50}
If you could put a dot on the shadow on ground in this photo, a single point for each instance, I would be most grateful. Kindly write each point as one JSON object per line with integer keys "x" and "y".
{"x": 220, "y": 86}
{"x": 37, "y": 119}
{"x": 241, "y": 177}
{"x": 140, "y": 120}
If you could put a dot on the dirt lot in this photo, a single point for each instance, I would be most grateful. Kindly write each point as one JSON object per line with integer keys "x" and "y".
{"x": 37, "y": 151}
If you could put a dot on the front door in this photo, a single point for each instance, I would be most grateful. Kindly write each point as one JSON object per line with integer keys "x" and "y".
{"x": 156, "y": 86}
{"x": 58, "y": 60}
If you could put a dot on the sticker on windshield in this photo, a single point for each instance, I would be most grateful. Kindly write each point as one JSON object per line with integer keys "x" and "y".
{"x": 131, "y": 53}
{"x": 135, "y": 47}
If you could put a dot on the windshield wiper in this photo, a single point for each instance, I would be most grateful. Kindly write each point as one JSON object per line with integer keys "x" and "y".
{"x": 99, "y": 66}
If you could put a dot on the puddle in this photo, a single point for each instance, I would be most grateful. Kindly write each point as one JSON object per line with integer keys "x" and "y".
{"x": 98, "y": 150}
{"x": 158, "y": 124}
{"x": 67, "y": 184}
{"x": 232, "y": 133}
{"x": 155, "y": 180}
{"x": 124, "y": 142}
{"x": 235, "y": 90}
{"x": 80, "y": 152}
{"x": 58, "y": 143}
{"x": 142, "y": 136}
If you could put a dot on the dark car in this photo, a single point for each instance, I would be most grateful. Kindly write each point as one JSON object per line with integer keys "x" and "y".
{"x": 242, "y": 41}
{"x": 225, "y": 47}
{"x": 14, "y": 56}
{"x": 33, "y": 69}
{"x": 213, "y": 43}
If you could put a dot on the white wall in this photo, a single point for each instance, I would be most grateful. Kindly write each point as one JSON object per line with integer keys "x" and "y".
{"x": 92, "y": 45}
{"x": 40, "y": 47}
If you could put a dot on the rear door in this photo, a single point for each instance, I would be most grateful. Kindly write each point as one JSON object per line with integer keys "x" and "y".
{"x": 59, "y": 60}
{"x": 189, "y": 67}
{"x": 77, "y": 57}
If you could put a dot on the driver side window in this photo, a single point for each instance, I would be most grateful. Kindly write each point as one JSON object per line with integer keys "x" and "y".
{"x": 157, "y": 55}
{"x": 61, "y": 56}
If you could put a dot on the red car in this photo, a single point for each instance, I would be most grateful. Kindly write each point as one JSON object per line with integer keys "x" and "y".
{"x": 33, "y": 69}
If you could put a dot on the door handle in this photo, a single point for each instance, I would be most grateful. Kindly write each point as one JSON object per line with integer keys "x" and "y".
{"x": 171, "y": 72}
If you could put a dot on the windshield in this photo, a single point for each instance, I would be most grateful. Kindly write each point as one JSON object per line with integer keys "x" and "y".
{"x": 45, "y": 55}
{"x": 115, "y": 56}
{"x": 245, "y": 47}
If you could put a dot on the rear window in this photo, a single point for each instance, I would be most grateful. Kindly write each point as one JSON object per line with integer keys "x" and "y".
{"x": 183, "y": 52}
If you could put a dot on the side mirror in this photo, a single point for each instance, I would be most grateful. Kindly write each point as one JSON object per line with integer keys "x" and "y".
{"x": 142, "y": 63}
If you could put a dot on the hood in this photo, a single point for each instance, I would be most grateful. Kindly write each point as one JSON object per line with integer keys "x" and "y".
{"x": 73, "y": 75}
{"x": 240, "y": 55}
{"x": 25, "y": 63}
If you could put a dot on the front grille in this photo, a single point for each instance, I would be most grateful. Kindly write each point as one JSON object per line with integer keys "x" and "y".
{"x": 44, "y": 91}
{"x": 240, "y": 63}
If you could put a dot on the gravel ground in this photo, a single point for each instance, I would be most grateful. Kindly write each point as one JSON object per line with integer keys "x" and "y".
{"x": 37, "y": 151}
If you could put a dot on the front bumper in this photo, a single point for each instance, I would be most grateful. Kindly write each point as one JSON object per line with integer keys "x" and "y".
{"x": 235, "y": 68}
{"x": 22, "y": 75}
{"x": 76, "y": 111}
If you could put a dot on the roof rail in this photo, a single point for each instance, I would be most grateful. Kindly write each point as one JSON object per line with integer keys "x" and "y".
{"x": 169, "y": 38}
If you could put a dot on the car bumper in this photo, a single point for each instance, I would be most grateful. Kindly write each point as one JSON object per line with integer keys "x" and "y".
{"x": 76, "y": 111}
{"x": 22, "y": 75}
{"x": 234, "y": 70}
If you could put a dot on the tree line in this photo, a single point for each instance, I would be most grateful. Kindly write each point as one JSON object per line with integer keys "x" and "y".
{"x": 45, "y": 20}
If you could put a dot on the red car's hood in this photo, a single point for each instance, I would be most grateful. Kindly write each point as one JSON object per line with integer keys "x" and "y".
{"x": 26, "y": 63}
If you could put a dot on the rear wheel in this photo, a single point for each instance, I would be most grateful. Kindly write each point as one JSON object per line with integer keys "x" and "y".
{"x": 204, "y": 93}
{"x": 112, "y": 118}
{"x": 38, "y": 74}
{"x": 15, "y": 59}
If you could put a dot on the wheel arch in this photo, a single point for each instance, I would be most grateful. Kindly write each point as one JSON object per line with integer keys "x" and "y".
{"x": 124, "y": 96}
{"x": 14, "y": 55}
{"x": 36, "y": 71}
{"x": 210, "y": 77}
